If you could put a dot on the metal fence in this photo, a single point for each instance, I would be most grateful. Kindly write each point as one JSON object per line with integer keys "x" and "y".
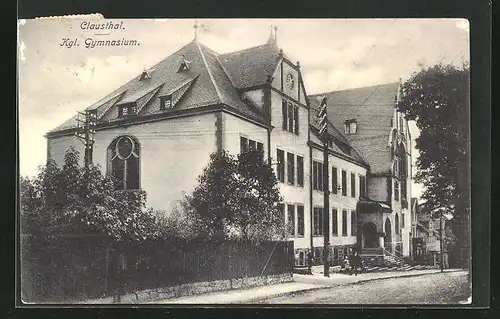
{"x": 93, "y": 267}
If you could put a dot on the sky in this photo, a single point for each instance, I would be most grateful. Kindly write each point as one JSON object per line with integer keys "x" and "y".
{"x": 56, "y": 81}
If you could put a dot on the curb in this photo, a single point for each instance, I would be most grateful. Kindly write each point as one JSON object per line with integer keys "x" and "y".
{"x": 301, "y": 291}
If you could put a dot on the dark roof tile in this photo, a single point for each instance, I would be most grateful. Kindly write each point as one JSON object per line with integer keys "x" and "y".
{"x": 252, "y": 66}
{"x": 210, "y": 85}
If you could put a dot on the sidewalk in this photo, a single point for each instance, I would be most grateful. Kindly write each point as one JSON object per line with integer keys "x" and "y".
{"x": 301, "y": 283}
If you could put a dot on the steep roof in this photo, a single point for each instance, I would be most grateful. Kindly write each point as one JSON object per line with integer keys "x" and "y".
{"x": 252, "y": 66}
{"x": 373, "y": 108}
{"x": 204, "y": 83}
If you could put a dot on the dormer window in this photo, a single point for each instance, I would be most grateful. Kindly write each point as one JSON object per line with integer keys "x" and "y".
{"x": 184, "y": 64}
{"x": 350, "y": 126}
{"x": 165, "y": 102}
{"x": 126, "y": 110}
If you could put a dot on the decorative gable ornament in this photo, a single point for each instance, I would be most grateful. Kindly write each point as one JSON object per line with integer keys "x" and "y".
{"x": 184, "y": 65}
{"x": 146, "y": 74}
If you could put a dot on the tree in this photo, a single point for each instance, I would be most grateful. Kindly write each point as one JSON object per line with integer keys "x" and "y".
{"x": 237, "y": 197}
{"x": 181, "y": 222}
{"x": 437, "y": 99}
{"x": 79, "y": 200}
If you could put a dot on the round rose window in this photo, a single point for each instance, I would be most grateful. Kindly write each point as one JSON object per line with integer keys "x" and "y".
{"x": 124, "y": 147}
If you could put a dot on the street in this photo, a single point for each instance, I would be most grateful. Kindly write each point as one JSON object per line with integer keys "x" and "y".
{"x": 441, "y": 288}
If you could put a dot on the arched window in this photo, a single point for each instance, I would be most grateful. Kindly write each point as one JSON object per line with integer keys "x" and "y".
{"x": 123, "y": 162}
{"x": 396, "y": 224}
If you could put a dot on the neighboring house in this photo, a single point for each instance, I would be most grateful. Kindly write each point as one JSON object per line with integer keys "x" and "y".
{"x": 428, "y": 237}
{"x": 157, "y": 131}
{"x": 413, "y": 235}
{"x": 380, "y": 135}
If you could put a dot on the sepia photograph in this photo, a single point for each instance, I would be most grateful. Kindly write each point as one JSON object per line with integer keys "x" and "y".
{"x": 244, "y": 161}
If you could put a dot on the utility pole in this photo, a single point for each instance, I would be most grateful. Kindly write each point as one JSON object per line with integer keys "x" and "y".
{"x": 87, "y": 132}
{"x": 323, "y": 132}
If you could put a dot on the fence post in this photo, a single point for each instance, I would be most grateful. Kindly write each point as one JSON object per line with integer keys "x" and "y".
{"x": 270, "y": 255}
{"x": 106, "y": 269}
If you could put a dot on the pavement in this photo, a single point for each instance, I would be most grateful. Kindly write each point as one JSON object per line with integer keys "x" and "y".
{"x": 301, "y": 283}
{"x": 447, "y": 288}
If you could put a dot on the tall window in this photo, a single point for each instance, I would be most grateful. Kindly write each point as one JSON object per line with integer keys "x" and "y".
{"x": 291, "y": 168}
{"x": 300, "y": 171}
{"x": 402, "y": 220}
{"x": 318, "y": 221}
{"x": 290, "y": 115}
{"x": 334, "y": 181}
{"x": 344, "y": 183}
{"x": 317, "y": 176}
{"x": 281, "y": 165}
{"x": 335, "y": 222}
{"x": 300, "y": 220}
{"x": 353, "y": 223}
{"x": 396, "y": 190}
{"x": 284, "y": 112}
{"x": 291, "y": 220}
{"x": 296, "y": 119}
{"x": 353, "y": 185}
{"x": 362, "y": 186}
{"x": 243, "y": 144}
{"x": 123, "y": 162}
{"x": 396, "y": 224}
{"x": 344, "y": 223}
{"x": 403, "y": 190}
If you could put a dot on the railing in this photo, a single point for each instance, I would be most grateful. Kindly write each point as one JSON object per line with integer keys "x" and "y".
{"x": 377, "y": 251}
{"x": 394, "y": 253}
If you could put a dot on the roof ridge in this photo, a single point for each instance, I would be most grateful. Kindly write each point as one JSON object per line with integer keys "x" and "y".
{"x": 352, "y": 89}
{"x": 225, "y": 71}
{"x": 247, "y": 49}
{"x": 209, "y": 73}
{"x": 208, "y": 48}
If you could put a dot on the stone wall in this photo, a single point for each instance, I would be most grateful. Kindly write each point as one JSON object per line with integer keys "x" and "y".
{"x": 195, "y": 289}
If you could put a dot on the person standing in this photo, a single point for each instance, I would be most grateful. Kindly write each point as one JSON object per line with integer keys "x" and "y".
{"x": 356, "y": 262}
{"x": 309, "y": 262}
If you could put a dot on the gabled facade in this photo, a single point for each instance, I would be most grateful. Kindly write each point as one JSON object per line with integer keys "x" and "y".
{"x": 157, "y": 131}
{"x": 372, "y": 125}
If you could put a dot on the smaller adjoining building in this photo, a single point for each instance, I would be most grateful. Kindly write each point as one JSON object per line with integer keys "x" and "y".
{"x": 427, "y": 239}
